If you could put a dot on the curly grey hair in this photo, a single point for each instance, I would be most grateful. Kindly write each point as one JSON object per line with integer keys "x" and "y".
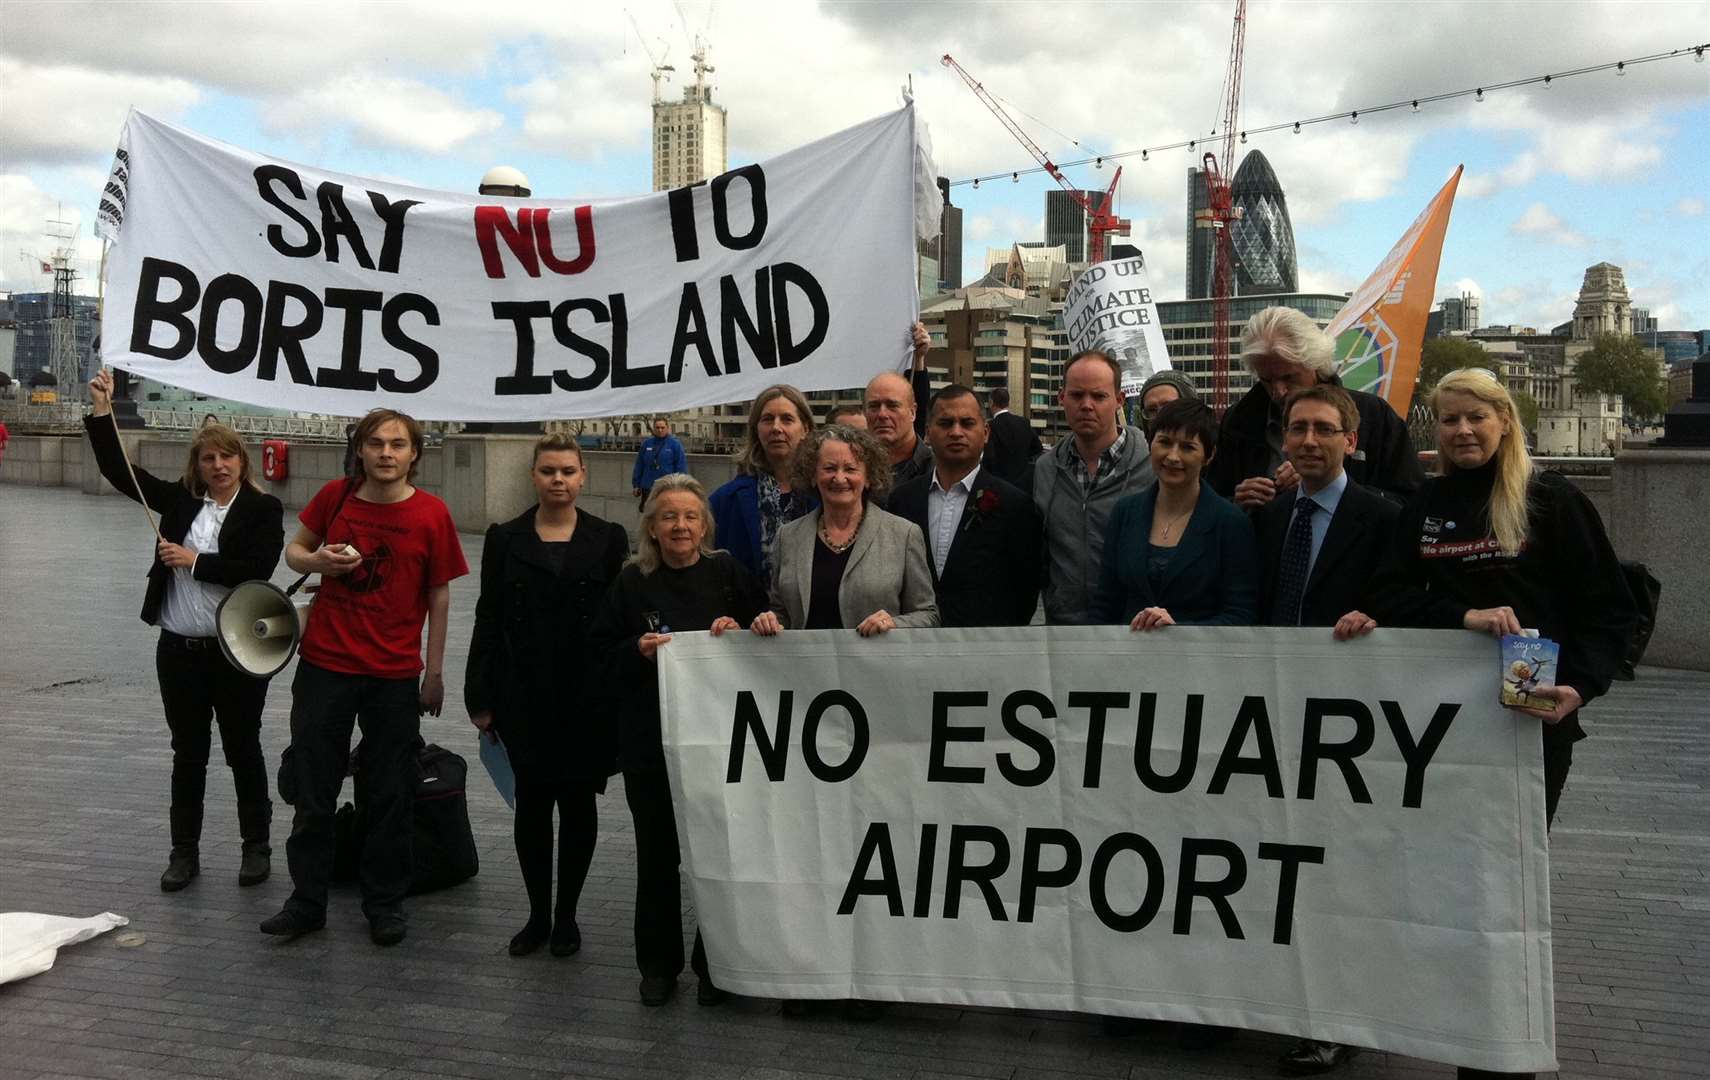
{"x": 874, "y": 460}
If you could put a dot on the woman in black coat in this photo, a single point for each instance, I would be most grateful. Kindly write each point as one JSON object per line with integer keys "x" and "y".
{"x": 529, "y": 680}
{"x": 218, "y": 530}
{"x": 676, "y": 582}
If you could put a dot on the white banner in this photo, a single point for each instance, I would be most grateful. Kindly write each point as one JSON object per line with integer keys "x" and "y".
{"x": 1251, "y": 828}
{"x": 249, "y": 278}
{"x": 1110, "y": 308}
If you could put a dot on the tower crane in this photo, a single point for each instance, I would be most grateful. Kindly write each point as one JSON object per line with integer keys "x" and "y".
{"x": 660, "y": 68}
{"x": 1101, "y": 222}
{"x": 1221, "y": 214}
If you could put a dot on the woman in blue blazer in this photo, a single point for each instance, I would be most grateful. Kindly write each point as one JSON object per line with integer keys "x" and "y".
{"x": 750, "y": 509}
{"x": 1178, "y": 553}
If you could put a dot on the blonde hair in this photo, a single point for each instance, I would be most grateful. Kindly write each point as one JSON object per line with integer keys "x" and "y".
{"x": 557, "y": 442}
{"x": 751, "y": 460}
{"x": 1509, "y": 511}
{"x": 222, "y": 438}
{"x": 647, "y": 554}
{"x": 1288, "y": 335}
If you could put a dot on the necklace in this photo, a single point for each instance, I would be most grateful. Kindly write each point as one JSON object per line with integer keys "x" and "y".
{"x": 837, "y": 548}
{"x": 1169, "y": 526}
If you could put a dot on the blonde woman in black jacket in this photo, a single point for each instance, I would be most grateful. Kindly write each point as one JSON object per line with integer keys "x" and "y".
{"x": 218, "y": 530}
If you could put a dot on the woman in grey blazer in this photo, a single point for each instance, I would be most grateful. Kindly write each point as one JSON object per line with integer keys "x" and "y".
{"x": 848, "y": 565}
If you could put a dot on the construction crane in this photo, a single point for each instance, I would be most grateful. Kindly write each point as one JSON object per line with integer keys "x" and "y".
{"x": 1220, "y": 214}
{"x": 1101, "y": 222}
{"x": 660, "y": 68}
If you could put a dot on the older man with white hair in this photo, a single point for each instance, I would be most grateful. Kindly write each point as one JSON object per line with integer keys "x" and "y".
{"x": 1285, "y": 350}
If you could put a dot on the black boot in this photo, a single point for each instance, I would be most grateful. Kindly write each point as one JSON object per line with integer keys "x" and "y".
{"x": 256, "y": 865}
{"x": 181, "y": 866}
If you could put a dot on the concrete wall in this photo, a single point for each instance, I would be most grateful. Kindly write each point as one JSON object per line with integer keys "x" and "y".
{"x": 1661, "y": 511}
{"x": 482, "y": 478}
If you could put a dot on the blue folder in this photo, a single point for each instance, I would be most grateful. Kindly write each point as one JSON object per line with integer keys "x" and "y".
{"x": 498, "y": 764}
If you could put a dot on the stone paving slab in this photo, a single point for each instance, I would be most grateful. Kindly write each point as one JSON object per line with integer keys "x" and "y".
{"x": 84, "y": 761}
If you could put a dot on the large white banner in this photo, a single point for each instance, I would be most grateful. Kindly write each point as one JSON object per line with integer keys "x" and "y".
{"x": 276, "y": 284}
{"x": 1110, "y": 308}
{"x": 1244, "y": 827}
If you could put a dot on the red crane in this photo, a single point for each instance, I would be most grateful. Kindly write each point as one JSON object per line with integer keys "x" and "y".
{"x": 1221, "y": 214}
{"x": 1100, "y": 221}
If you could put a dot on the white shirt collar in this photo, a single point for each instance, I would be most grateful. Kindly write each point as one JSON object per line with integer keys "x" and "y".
{"x": 966, "y": 483}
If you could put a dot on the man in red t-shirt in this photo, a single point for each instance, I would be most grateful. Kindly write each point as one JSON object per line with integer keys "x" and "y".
{"x": 387, "y": 554}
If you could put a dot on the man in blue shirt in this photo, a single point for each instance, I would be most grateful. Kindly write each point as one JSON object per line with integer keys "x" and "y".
{"x": 660, "y": 455}
{"x": 1319, "y": 546}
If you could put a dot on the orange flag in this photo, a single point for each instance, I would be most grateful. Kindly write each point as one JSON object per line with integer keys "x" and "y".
{"x": 1381, "y": 328}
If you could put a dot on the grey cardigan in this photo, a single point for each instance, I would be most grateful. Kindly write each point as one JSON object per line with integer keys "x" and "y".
{"x": 887, "y": 570}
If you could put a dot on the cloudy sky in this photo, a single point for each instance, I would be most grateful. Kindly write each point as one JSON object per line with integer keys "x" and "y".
{"x": 1594, "y": 168}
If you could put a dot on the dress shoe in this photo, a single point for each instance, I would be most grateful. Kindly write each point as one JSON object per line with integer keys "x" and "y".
{"x": 387, "y": 929}
{"x": 180, "y": 868}
{"x": 292, "y": 922}
{"x": 707, "y": 993}
{"x": 656, "y": 990}
{"x": 566, "y": 939}
{"x": 1309, "y": 1057}
{"x": 529, "y": 938}
{"x": 256, "y": 865}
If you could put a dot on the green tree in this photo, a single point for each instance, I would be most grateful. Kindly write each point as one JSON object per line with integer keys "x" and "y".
{"x": 1442, "y": 355}
{"x": 1620, "y": 364}
{"x": 1527, "y": 405}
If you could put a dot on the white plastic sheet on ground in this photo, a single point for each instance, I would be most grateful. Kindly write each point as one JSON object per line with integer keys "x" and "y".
{"x": 29, "y": 941}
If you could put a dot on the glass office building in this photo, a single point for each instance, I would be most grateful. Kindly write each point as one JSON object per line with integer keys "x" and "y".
{"x": 1264, "y": 238}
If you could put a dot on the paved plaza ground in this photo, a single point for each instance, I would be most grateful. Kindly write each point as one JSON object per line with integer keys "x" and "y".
{"x": 84, "y": 761}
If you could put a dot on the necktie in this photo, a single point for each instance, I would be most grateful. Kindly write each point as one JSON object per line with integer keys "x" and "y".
{"x": 1296, "y": 561}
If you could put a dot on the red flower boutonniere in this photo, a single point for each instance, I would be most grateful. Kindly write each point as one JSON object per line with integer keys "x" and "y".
{"x": 987, "y": 504}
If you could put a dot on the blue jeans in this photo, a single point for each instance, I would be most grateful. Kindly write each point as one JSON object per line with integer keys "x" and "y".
{"x": 325, "y": 705}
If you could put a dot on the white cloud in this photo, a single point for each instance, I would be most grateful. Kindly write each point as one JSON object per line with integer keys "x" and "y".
{"x": 56, "y": 113}
{"x": 1689, "y": 207}
{"x": 1540, "y": 223}
{"x": 389, "y": 111}
{"x": 1466, "y": 285}
{"x": 1517, "y": 173}
{"x": 25, "y": 210}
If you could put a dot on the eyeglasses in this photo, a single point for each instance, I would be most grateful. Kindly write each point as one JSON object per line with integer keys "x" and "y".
{"x": 1299, "y": 428}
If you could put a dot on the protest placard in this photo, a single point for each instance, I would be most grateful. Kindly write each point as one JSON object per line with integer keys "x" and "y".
{"x": 1110, "y": 308}
{"x": 1254, "y": 828}
{"x": 257, "y": 280}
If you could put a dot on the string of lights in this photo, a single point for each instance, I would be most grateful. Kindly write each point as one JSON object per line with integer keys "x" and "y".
{"x": 1477, "y": 93}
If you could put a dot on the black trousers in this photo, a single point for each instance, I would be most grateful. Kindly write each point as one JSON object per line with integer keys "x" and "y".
{"x": 199, "y": 687}
{"x": 325, "y": 705}
{"x": 658, "y": 885}
{"x": 538, "y": 793}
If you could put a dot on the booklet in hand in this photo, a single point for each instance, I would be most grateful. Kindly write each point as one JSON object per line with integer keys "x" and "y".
{"x": 1528, "y": 665}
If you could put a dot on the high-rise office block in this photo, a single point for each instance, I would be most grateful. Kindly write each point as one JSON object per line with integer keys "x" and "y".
{"x": 1262, "y": 235}
{"x": 1066, "y": 222}
{"x": 1460, "y": 314}
{"x": 688, "y": 135}
{"x": 1199, "y": 250}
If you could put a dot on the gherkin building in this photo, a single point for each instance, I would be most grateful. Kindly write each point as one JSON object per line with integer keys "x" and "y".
{"x": 1263, "y": 237}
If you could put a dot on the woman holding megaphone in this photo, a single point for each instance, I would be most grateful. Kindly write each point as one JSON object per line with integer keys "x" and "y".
{"x": 217, "y": 530}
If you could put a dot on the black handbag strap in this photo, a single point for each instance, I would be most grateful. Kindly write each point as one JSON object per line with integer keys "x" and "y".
{"x": 350, "y": 485}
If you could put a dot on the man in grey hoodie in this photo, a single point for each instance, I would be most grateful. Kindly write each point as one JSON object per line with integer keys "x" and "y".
{"x": 1077, "y": 483}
